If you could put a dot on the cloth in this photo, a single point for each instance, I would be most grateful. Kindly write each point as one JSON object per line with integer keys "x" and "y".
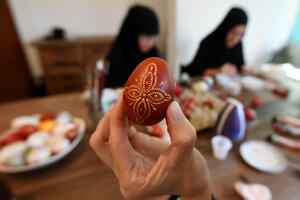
{"x": 212, "y": 52}
{"x": 125, "y": 54}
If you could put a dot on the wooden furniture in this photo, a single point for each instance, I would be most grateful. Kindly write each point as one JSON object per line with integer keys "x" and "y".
{"x": 64, "y": 61}
{"x": 15, "y": 77}
{"x": 83, "y": 176}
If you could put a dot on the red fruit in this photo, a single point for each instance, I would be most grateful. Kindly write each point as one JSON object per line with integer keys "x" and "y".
{"x": 178, "y": 90}
{"x": 11, "y": 138}
{"x": 148, "y": 92}
{"x": 208, "y": 103}
{"x": 47, "y": 115}
{"x": 250, "y": 114}
{"x": 255, "y": 102}
{"x": 27, "y": 130}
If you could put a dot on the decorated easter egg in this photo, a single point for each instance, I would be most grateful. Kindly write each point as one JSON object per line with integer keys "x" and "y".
{"x": 148, "y": 92}
{"x": 231, "y": 121}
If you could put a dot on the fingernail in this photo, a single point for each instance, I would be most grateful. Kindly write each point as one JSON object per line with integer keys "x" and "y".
{"x": 175, "y": 111}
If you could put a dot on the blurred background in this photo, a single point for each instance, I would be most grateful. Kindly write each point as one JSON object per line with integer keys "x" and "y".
{"x": 35, "y": 67}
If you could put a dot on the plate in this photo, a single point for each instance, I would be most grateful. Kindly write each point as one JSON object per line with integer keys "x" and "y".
{"x": 53, "y": 159}
{"x": 252, "y": 83}
{"x": 263, "y": 156}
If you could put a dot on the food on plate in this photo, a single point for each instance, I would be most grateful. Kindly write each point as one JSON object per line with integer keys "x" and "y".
{"x": 38, "y": 139}
{"x": 16, "y": 161}
{"x": 148, "y": 92}
{"x": 201, "y": 108}
{"x": 25, "y": 120}
{"x": 11, "y": 138}
{"x": 32, "y": 143}
{"x": 201, "y": 86}
{"x": 47, "y": 125}
{"x": 38, "y": 154}
{"x": 63, "y": 129}
{"x": 58, "y": 143}
{"x": 27, "y": 130}
{"x": 64, "y": 117}
{"x": 12, "y": 150}
{"x": 208, "y": 103}
{"x": 72, "y": 134}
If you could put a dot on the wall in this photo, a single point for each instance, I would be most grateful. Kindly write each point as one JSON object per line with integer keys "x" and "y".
{"x": 183, "y": 24}
{"x": 35, "y": 18}
{"x": 270, "y": 25}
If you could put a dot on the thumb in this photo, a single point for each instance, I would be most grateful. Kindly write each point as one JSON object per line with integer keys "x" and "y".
{"x": 182, "y": 133}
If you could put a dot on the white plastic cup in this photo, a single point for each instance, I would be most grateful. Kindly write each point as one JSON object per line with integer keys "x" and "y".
{"x": 221, "y": 145}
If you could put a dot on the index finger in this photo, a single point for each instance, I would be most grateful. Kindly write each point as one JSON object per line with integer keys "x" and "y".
{"x": 121, "y": 149}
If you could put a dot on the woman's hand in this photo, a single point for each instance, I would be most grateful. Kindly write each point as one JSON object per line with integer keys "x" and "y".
{"x": 228, "y": 69}
{"x": 148, "y": 166}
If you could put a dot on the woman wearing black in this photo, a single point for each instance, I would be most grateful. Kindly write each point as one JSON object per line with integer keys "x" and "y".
{"x": 221, "y": 51}
{"x": 135, "y": 42}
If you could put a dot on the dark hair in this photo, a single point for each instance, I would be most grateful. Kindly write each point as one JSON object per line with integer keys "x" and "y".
{"x": 139, "y": 20}
{"x": 125, "y": 54}
{"x": 236, "y": 16}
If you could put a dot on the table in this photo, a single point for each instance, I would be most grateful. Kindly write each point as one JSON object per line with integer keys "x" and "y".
{"x": 80, "y": 176}
{"x": 83, "y": 176}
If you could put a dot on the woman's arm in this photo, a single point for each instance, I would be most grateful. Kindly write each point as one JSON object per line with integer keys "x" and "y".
{"x": 211, "y": 72}
{"x": 227, "y": 68}
{"x": 198, "y": 65}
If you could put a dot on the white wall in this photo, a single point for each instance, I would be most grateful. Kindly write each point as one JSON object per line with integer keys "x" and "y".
{"x": 183, "y": 23}
{"x": 269, "y": 27}
{"x": 35, "y": 18}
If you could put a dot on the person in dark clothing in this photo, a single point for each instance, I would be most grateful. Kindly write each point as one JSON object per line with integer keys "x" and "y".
{"x": 135, "y": 42}
{"x": 222, "y": 50}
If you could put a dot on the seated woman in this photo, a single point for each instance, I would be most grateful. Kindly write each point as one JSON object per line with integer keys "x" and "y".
{"x": 221, "y": 51}
{"x": 135, "y": 42}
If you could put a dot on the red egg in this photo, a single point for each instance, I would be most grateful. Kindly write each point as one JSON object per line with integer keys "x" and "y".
{"x": 11, "y": 138}
{"x": 178, "y": 90}
{"x": 27, "y": 130}
{"x": 250, "y": 114}
{"x": 148, "y": 92}
{"x": 256, "y": 102}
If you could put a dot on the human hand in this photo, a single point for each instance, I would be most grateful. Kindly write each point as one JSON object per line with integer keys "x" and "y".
{"x": 148, "y": 166}
{"x": 248, "y": 70}
{"x": 228, "y": 69}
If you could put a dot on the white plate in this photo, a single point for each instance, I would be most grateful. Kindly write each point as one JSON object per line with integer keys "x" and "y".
{"x": 263, "y": 156}
{"x": 252, "y": 83}
{"x": 53, "y": 159}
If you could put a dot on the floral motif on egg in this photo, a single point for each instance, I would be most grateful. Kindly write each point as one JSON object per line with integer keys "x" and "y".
{"x": 146, "y": 93}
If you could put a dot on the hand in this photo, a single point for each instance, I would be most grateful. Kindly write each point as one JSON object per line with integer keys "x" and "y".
{"x": 248, "y": 70}
{"x": 148, "y": 166}
{"x": 228, "y": 69}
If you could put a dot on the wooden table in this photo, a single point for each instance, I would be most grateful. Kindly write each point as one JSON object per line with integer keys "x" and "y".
{"x": 83, "y": 176}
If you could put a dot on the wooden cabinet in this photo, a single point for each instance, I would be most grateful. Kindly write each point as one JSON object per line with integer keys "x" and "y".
{"x": 64, "y": 61}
